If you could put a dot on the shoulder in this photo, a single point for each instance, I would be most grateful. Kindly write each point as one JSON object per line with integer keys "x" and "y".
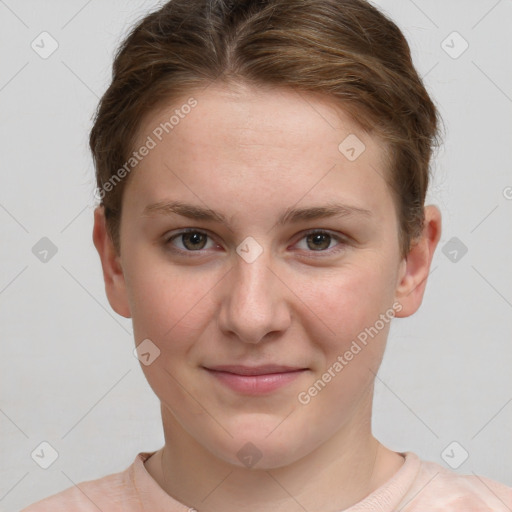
{"x": 436, "y": 488}
{"x": 113, "y": 492}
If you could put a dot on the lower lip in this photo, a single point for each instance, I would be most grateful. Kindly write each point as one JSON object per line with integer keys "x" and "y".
{"x": 255, "y": 384}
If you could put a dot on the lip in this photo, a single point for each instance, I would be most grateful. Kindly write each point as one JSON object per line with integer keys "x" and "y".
{"x": 255, "y": 370}
{"x": 255, "y": 380}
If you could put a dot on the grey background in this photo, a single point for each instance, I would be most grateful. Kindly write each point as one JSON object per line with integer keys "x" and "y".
{"x": 67, "y": 372}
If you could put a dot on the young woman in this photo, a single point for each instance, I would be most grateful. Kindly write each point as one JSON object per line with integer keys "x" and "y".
{"x": 262, "y": 168}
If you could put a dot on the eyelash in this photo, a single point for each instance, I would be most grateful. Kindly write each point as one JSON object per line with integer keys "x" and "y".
{"x": 342, "y": 242}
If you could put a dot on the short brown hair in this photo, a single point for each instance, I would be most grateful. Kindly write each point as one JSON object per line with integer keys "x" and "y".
{"x": 343, "y": 49}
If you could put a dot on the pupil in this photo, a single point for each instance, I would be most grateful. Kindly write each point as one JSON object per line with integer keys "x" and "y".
{"x": 320, "y": 237}
{"x": 195, "y": 239}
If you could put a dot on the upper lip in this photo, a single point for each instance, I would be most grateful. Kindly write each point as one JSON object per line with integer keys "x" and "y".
{"x": 254, "y": 370}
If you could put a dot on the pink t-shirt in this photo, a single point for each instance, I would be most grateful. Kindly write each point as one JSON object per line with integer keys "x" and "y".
{"x": 418, "y": 486}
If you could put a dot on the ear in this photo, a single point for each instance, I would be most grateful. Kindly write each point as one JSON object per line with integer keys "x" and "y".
{"x": 414, "y": 269}
{"x": 113, "y": 276}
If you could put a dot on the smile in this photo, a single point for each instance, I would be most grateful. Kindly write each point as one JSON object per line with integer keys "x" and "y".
{"x": 255, "y": 380}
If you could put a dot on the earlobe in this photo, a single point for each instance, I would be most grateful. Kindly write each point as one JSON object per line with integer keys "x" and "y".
{"x": 416, "y": 267}
{"x": 115, "y": 285}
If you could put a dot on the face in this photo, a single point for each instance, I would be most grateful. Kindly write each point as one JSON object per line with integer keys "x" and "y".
{"x": 249, "y": 238}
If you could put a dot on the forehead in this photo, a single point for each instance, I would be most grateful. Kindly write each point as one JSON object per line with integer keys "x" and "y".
{"x": 277, "y": 142}
{"x": 252, "y": 114}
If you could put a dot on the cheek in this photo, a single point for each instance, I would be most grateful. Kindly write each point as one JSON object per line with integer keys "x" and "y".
{"x": 351, "y": 306}
{"x": 172, "y": 309}
{"x": 349, "y": 300}
{"x": 169, "y": 304}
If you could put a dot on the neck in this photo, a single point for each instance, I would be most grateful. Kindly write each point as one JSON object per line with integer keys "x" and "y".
{"x": 339, "y": 473}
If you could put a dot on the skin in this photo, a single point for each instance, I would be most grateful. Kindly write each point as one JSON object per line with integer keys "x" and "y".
{"x": 250, "y": 154}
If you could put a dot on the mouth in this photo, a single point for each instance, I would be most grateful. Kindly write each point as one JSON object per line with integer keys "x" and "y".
{"x": 268, "y": 369}
{"x": 255, "y": 380}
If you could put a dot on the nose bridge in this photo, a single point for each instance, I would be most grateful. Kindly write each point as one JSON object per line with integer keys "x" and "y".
{"x": 253, "y": 304}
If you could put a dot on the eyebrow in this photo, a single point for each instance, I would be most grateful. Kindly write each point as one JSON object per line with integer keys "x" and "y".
{"x": 291, "y": 215}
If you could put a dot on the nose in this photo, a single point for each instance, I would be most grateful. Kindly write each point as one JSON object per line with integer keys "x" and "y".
{"x": 254, "y": 301}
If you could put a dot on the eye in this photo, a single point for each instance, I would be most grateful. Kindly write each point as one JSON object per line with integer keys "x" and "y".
{"x": 319, "y": 240}
{"x": 194, "y": 240}
{"x": 191, "y": 240}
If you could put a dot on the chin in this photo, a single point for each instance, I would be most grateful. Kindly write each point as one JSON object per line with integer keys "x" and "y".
{"x": 261, "y": 447}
